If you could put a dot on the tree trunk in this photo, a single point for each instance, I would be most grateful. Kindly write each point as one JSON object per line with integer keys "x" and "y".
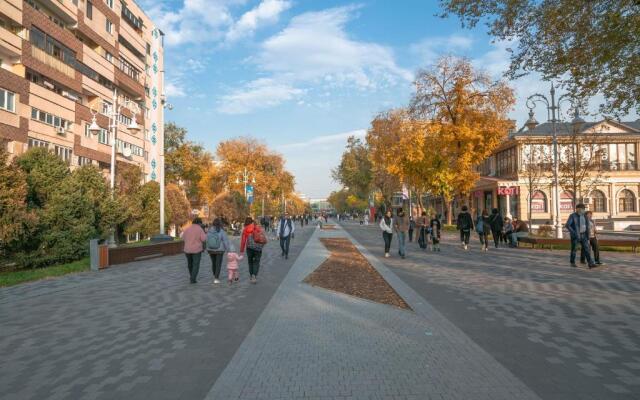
{"x": 449, "y": 212}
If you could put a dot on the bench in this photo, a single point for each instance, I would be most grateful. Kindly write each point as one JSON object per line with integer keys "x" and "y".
{"x": 538, "y": 241}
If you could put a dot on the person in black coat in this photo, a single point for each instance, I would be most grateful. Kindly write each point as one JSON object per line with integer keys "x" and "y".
{"x": 464, "y": 223}
{"x": 495, "y": 222}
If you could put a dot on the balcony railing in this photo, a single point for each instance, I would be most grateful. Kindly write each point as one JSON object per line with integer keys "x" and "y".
{"x": 52, "y": 61}
{"x": 603, "y": 166}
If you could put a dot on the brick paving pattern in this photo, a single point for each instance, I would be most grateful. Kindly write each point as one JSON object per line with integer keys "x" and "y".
{"x": 567, "y": 333}
{"x": 136, "y": 331}
{"x": 310, "y": 343}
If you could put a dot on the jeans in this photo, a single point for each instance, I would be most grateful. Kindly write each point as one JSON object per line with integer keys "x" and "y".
{"x": 596, "y": 250}
{"x": 464, "y": 236}
{"x": 422, "y": 239}
{"x": 401, "y": 243}
{"x": 387, "y": 241}
{"x": 284, "y": 245}
{"x": 193, "y": 263}
{"x": 584, "y": 250}
{"x": 216, "y": 263}
{"x": 253, "y": 258}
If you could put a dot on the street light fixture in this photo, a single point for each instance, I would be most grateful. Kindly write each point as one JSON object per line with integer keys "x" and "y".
{"x": 245, "y": 177}
{"x": 552, "y": 106}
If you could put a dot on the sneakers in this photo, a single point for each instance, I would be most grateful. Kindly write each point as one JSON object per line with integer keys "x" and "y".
{"x": 253, "y": 279}
{"x": 466, "y": 247}
{"x": 386, "y": 255}
{"x": 216, "y": 281}
{"x": 573, "y": 265}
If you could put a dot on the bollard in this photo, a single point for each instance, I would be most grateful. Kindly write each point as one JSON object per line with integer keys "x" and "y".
{"x": 94, "y": 254}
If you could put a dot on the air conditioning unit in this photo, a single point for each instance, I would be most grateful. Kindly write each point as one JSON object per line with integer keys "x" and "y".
{"x": 61, "y": 131}
{"x": 69, "y": 96}
{"x": 48, "y": 85}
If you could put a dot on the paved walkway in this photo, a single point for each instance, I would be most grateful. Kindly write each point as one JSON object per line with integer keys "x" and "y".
{"x": 136, "y": 331}
{"x": 310, "y": 343}
{"x": 566, "y": 333}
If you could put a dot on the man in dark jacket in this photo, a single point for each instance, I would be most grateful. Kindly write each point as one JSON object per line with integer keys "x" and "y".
{"x": 495, "y": 222}
{"x": 578, "y": 226}
{"x": 464, "y": 224}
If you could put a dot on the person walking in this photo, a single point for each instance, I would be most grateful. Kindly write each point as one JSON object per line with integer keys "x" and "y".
{"x": 464, "y": 224}
{"x": 579, "y": 226}
{"x": 593, "y": 240}
{"x": 412, "y": 226}
{"x": 435, "y": 227}
{"x": 232, "y": 265}
{"x": 495, "y": 223}
{"x": 483, "y": 228}
{"x": 193, "y": 238}
{"x": 286, "y": 228}
{"x": 386, "y": 224}
{"x": 217, "y": 244}
{"x": 423, "y": 230}
{"x": 252, "y": 241}
{"x": 401, "y": 226}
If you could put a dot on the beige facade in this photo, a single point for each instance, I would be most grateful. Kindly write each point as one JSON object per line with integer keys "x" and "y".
{"x": 61, "y": 59}
{"x": 611, "y": 189}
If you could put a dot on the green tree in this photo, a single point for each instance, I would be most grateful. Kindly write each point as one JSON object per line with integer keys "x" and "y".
{"x": 591, "y": 46}
{"x": 44, "y": 171}
{"x": 355, "y": 169}
{"x": 16, "y": 221}
{"x": 144, "y": 210}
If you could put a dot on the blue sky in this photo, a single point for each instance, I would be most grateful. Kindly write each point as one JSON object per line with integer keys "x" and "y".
{"x": 302, "y": 75}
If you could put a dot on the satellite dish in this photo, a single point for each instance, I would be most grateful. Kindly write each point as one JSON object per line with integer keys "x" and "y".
{"x": 126, "y": 152}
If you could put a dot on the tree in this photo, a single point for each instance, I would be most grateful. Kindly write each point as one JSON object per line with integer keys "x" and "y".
{"x": 145, "y": 210}
{"x": 590, "y": 46}
{"x": 16, "y": 220}
{"x": 338, "y": 199}
{"x": 44, "y": 171}
{"x": 179, "y": 205}
{"x": 464, "y": 113}
{"x": 185, "y": 161}
{"x": 355, "y": 170}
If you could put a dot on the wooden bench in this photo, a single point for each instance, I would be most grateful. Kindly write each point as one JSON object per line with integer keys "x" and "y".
{"x": 538, "y": 241}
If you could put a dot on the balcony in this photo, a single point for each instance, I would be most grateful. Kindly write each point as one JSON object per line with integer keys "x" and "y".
{"x": 619, "y": 166}
{"x": 52, "y": 62}
{"x": 10, "y": 42}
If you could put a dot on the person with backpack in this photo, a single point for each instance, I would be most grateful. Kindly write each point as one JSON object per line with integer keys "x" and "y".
{"x": 434, "y": 227}
{"x": 285, "y": 232}
{"x": 464, "y": 224}
{"x": 483, "y": 228}
{"x": 193, "y": 238}
{"x": 252, "y": 241}
{"x": 495, "y": 222}
{"x": 217, "y": 244}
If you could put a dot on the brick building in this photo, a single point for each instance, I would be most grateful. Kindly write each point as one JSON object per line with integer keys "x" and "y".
{"x": 61, "y": 59}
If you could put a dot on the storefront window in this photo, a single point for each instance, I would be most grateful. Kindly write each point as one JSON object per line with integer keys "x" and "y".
{"x": 566, "y": 201}
{"x": 539, "y": 202}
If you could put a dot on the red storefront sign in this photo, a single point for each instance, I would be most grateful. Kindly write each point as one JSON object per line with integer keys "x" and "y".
{"x": 508, "y": 190}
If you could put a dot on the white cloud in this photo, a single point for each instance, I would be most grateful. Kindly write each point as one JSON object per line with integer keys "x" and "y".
{"x": 428, "y": 50}
{"x": 326, "y": 140}
{"x": 260, "y": 93}
{"x": 174, "y": 89}
{"x": 267, "y": 12}
{"x": 316, "y": 49}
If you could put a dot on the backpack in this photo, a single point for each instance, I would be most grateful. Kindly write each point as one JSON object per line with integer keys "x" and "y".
{"x": 214, "y": 239}
{"x": 480, "y": 225}
{"x": 464, "y": 222}
{"x": 257, "y": 239}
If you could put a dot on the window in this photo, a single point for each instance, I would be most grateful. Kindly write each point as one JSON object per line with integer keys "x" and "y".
{"x": 129, "y": 69}
{"x": 598, "y": 201}
{"x": 49, "y": 119}
{"x": 109, "y": 26}
{"x": 109, "y": 3}
{"x": 103, "y": 136}
{"x": 506, "y": 162}
{"x": 89, "y": 10}
{"x": 108, "y": 56}
{"x": 539, "y": 202}
{"x": 123, "y": 119}
{"x": 64, "y": 153}
{"x": 130, "y": 18}
{"x": 106, "y": 107}
{"x": 37, "y": 143}
{"x": 52, "y": 47}
{"x": 622, "y": 156}
{"x": 84, "y": 161}
{"x": 566, "y": 201}
{"x": 7, "y": 100}
{"x": 626, "y": 201}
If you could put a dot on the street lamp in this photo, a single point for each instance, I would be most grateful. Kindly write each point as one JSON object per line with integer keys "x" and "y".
{"x": 552, "y": 106}
{"x": 114, "y": 116}
{"x": 244, "y": 178}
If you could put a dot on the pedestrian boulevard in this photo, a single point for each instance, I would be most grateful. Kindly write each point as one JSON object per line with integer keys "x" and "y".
{"x": 506, "y": 324}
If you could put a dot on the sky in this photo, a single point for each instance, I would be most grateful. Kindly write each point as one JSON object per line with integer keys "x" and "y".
{"x": 303, "y": 75}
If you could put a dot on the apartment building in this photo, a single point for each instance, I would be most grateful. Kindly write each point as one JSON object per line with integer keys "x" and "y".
{"x": 64, "y": 63}
{"x": 610, "y": 176}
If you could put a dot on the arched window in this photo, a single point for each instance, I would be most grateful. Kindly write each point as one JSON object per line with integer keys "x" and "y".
{"x": 626, "y": 201}
{"x": 599, "y": 201}
{"x": 566, "y": 201}
{"x": 539, "y": 202}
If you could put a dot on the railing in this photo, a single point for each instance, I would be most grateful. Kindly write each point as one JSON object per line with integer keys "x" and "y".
{"x": 602, "y": 166}
{"x": 53, "y": 62}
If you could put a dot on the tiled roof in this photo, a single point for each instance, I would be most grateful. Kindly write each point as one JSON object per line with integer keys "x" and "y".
{"x": 566, "y": 129}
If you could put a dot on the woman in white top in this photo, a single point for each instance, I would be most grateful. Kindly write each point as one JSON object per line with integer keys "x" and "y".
{"x": 386, "y": 224}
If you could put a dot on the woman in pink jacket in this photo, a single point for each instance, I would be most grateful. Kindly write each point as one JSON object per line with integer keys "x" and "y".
{"x": 194, "y": 238}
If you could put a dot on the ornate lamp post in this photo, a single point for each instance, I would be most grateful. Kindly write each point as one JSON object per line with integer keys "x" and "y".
{"x": 553, "y": 110}
{"x": 245, "y": 178}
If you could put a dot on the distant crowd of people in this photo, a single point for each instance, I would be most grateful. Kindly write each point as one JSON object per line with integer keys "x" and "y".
{"x": 503, "y": 231}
